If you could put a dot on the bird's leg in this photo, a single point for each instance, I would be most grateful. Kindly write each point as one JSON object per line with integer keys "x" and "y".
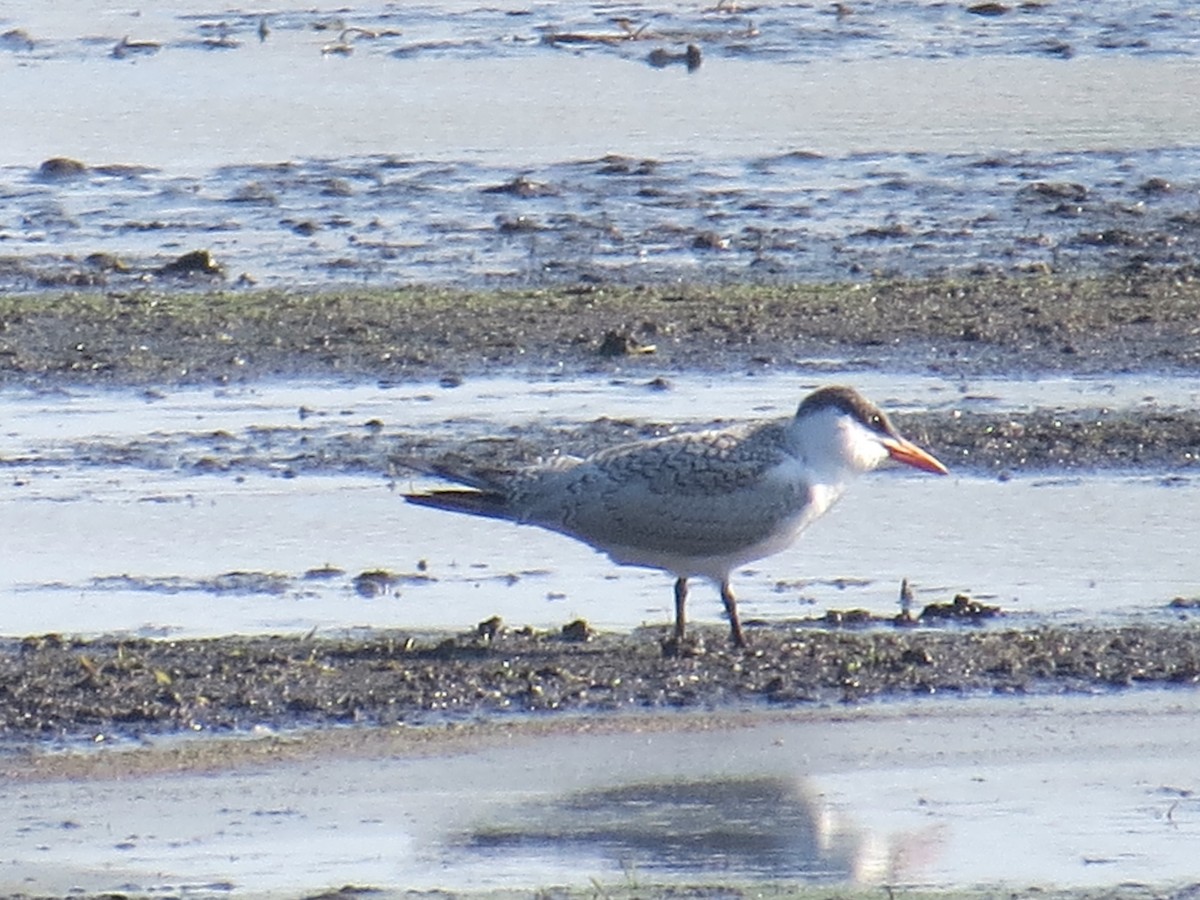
{"x": 735, "y": 625}
{"x": 680, "y": 600}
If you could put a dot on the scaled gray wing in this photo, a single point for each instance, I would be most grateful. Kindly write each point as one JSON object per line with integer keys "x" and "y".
{"x": 698, "y": 494}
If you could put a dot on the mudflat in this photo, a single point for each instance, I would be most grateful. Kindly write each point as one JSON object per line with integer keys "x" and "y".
{"x": 66, "y": 687}
{"x": 1014, "y": 325}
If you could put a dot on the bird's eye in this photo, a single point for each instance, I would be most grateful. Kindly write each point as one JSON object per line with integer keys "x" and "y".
{"x": 876, "y": 421}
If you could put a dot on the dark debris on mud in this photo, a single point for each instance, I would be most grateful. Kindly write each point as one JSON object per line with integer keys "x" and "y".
{"x": 53, "y": 687}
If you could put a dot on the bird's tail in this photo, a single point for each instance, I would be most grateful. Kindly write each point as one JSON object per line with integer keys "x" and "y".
{"x": 490, "y": 504}
{"x": 483, "y": 494}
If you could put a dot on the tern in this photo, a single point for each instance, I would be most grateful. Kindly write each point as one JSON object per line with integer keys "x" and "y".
{"x": 696, "y": 504}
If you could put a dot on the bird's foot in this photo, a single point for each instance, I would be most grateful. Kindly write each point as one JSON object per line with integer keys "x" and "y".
{"x": 687, "y": 647}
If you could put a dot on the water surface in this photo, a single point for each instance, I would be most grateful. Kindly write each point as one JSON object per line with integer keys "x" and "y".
{"x": 1077, "y": 791}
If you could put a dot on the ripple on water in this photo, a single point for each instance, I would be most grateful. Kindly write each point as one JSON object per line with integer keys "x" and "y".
{"x": 788, "y": 32}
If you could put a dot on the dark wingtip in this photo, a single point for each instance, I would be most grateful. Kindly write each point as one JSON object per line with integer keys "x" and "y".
{"x": 454, "y": 470}
{"x": 474, "y": 503}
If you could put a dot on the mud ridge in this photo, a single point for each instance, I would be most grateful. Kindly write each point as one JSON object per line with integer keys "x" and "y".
{"x": 56, "y": 687}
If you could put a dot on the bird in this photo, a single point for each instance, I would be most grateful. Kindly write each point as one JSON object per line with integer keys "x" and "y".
{"x": 694, "y": 504}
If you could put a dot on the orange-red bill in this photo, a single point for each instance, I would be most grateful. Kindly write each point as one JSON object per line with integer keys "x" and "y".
{"x": 911, "y": 455}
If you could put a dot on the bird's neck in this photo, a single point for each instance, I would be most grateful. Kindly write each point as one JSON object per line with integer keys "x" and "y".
{"x": 823, "y": 454}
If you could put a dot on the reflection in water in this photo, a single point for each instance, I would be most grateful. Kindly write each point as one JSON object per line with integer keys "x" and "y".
{"x": 766, "y": 827}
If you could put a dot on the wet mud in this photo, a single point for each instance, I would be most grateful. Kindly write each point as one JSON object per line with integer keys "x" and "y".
{"x": 1021, "y": 327}
{"x": 1001, "y": 444}
{"x": 1050, "y": 441}
{"x": 60, "y": 688}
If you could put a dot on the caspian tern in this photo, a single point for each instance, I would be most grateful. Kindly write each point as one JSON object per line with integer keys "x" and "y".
{"x": 696, "y": 504}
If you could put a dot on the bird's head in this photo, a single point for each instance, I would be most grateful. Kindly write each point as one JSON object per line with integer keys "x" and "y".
{"x": 840, "y": 431}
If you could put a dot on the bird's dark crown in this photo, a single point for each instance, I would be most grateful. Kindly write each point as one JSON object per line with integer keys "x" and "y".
{"x": 849, "y": 401}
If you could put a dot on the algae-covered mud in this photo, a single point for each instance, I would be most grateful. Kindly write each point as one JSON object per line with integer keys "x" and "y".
{"x": 971, "y": 326}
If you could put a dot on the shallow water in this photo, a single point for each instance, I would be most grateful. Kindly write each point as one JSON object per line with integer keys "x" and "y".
{"x": 1077, "y": 792}
{"x": 201, "y": 512}
{"x": 153, "y": 556}
{"x": 907, "y": 139}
